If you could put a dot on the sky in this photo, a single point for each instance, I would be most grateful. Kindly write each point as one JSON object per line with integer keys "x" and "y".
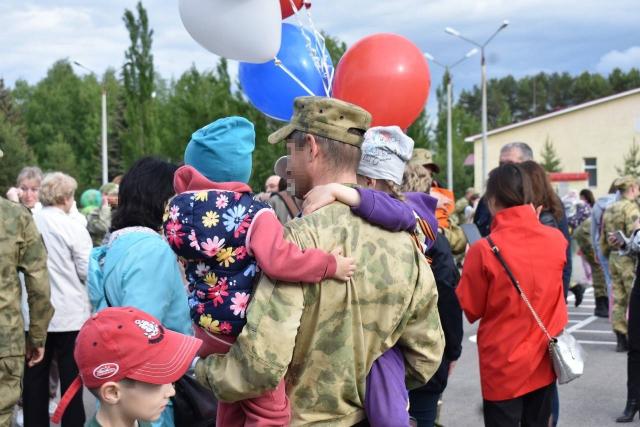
{"x": 543, "y": 35}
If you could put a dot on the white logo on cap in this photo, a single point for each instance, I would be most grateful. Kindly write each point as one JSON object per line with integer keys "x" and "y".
{"x": 106, "y": 370}
{"x": 151, "y": 330}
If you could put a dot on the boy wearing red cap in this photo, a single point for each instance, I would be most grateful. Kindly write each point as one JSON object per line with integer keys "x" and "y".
{"x": 129, "y": 362}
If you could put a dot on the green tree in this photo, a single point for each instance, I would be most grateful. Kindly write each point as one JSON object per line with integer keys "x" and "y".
{"x": 17, "y": 153}
{"x": 335, "y": 47}
{"x": 138, "y": 77}
{"x": 631, "y": 161}
{"x": 549, "y": 158}
{"x": 64, "y": 107}
{"x": 60, "y": 156}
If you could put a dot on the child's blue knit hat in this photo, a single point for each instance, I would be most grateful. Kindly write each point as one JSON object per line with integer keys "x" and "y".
{"x": 222, "y": 150}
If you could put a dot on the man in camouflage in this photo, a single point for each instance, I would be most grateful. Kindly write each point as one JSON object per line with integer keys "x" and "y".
{"x": 621, "y": 216}
{"x": 324, "y": 337}
{"x": 582, "y": 236}
{"x": 462, "y": 203}
{"x": 21, "y": 249}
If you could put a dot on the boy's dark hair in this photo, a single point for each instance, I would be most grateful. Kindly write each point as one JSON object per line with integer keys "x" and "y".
{"x": 543, "y": 194}
{"x": 144, "y": 192}
{"x": 125, "y": 381}
{"x": 509, "y": 186}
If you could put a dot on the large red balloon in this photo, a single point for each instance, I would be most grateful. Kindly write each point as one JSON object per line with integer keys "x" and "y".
{"x": 287, "y": 10}
{"x": 386, "y": 75}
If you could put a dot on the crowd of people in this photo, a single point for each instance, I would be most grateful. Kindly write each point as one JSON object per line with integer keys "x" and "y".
{"x": 334, "y": 297}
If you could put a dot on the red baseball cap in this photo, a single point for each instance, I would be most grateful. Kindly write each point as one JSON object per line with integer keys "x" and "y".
{"x": 124, "y": 342}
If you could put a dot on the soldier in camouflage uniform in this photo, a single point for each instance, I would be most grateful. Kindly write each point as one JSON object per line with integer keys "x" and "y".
{"x": 621, "y": 216}
{"x": 582, "y": 236}
{"x": 323, "y": 338}
{"x": 21, "y": 249}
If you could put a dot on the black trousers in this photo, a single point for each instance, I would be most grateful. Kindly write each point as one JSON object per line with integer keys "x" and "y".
{"x": 633, "y": 357}
{"x": 531, "y": 410}
{"x": 35, "y": 394}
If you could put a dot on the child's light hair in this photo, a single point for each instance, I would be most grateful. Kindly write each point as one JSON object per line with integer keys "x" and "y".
{"x": 416, "y": 179}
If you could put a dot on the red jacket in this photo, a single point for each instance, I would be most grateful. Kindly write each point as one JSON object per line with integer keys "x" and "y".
{"x": 513, "y": 351}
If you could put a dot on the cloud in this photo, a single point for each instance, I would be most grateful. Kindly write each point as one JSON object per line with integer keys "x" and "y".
{"x": 624, "y": 60}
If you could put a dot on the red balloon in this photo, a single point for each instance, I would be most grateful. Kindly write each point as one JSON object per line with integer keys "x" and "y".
{"x": 388, "y": 76}
{"x": 287, "y": 10}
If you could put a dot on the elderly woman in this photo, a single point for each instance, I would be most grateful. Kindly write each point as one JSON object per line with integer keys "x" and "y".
{"x": 27, "y": 189}
{"x": 68, "y": 246}
{"x": 137, "y": 267}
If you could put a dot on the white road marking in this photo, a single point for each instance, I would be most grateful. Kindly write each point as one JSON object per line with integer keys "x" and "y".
{"x": 581, "y": 324}
{"x": 597, "y": 342}
{"x": 594, "y": 331}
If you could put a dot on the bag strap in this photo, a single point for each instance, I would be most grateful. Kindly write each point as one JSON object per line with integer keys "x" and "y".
{"x": 292, "y": 207}
{"x": 516, "y": 284}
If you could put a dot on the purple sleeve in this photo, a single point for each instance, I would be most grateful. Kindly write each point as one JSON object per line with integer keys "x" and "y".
{"x": 381, "y": 209}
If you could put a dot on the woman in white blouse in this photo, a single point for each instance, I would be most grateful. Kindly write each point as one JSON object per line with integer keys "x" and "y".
{"x": 68, "y": 245}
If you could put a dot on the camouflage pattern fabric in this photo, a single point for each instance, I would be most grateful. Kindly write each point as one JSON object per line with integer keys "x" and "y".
{"x": 21, "y": 249}
{"x": 323, "y": 338}
{"x": 621, "y": 215}
{"x": 622, "y": 270}
{"x": 455, "y": 236}
{"x": 327, "y": 117}
{"x": 582, "y": 236}
{"x": 98, "y": 224}
{"x": 461, "y": 205}
{"x": 11, "y": 369}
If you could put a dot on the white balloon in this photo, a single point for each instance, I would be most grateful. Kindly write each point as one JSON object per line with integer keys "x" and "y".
{"x": 244, "y": 30}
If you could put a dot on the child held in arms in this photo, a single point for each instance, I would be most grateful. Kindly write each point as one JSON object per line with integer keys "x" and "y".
{"x": 224, "y": 236}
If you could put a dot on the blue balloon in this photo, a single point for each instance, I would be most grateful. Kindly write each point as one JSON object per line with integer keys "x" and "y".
{"x": 270, "y": 89}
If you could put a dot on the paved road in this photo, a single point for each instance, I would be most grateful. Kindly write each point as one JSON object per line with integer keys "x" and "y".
{"x": 595, "y": 399}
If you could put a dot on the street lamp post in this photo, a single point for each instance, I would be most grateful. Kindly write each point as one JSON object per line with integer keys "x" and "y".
{"x": 448, "y": 69}
{"x": 483, "y": 64}
{"x": 105, "y": 163}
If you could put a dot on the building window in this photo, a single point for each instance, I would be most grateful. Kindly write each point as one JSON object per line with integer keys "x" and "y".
{"x": 591, "y": 167}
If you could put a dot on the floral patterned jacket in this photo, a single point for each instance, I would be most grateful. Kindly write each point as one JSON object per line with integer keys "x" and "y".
{"x": 208, "y": 230}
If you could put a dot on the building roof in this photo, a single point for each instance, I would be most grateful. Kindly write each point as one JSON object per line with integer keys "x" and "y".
{"x": 555, "y": 114}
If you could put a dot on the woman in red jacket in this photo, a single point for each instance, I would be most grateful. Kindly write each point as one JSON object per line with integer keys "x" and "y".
{"x": 515, "y": 367}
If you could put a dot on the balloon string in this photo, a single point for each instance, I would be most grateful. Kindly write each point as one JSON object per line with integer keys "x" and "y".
{"x": 320, "y": 43}
{"x": 280, "y": 65}
{"x": 320, "y": 60}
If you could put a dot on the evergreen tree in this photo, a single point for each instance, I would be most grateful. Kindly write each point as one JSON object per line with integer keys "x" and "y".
{"x": 631, "y": 161}
{"x": 549, "y": 158}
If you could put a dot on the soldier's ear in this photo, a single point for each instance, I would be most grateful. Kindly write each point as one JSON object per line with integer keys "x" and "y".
{"x": 312, "y": 146}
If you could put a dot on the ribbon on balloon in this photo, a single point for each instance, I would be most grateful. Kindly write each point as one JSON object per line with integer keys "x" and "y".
{"x": 316, "y": 47}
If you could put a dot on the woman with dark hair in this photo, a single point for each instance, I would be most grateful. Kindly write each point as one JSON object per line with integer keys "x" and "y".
{"x": 587, "y": 196}
{"x": 516, "y": 373}
{"x": 552, "y": 214}
{"x": 137, "y": 267}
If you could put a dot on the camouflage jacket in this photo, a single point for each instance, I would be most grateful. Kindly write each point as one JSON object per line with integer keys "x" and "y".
{"x": 582, "y": 236}
{"x": 323, "y": 338}
{"x": 621, "y": 215}
{"x": 22, "y": 249}
{"x": 98, "y": 223}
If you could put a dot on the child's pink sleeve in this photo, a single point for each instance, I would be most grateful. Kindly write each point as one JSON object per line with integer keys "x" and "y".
{"x": 283, "y": 260}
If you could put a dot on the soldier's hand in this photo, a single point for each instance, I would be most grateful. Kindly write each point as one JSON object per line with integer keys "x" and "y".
{"x": 34, "y": 355}
{"x": 345, "y": 266}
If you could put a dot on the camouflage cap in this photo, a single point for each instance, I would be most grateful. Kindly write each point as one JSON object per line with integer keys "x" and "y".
{"x": 328, "y": 117}
{"x": 625, "y": 182}
{"x": 110, "y": 189}
{"x": 424, "y": 157}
